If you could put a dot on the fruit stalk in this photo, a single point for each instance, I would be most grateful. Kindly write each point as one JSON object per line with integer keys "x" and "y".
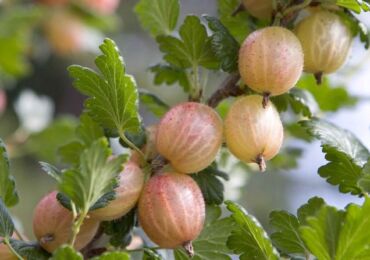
{"x": 76, "y": 227}
{"x": 7, "y": 242}
{"x": 229, "y": 88}
{"x": 132, "y": 146}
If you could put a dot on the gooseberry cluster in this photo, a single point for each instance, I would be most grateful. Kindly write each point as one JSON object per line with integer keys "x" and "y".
{"x": 170, "y": 205}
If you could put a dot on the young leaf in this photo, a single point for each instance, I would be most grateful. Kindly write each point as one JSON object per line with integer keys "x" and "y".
{"x": 225, "y": 47}
{"x": 6, "y": 222}
{"x": 66, "y": 252}
{"x": 239, "y": 24}
{"x": 287, "y": 237}
{"x": 321, "y": 232}
{"x": 113, "y": 101}
{"x": 51, "y": 170}
{"x": 29, "y": 250}
{"x": 301, "y": 101}
{"x": 211, "y": 243}
{"x": 328, "y": 98}
{"x": 192, "y": 49}
{"x": 345, "y": 152}
{"x": 94, "y": 178}
{"x": 7, "y": 184}
{"x": 70, "y": 153}
{"x": 120, "y": 229}
{"x": 354, "y": 239}
{"x": 168, "y": 74}
{"x": 158, "y": 16}
{"x": 113, "y": 256}
{"x": 210, "y": 184}
{"x": 249, "y": 240}
{"x": 153, "y": 103}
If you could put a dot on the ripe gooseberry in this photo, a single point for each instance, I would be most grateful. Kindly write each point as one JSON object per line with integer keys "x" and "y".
{"x": 326, "y": 41}
{"x": 271, "y": 60}
{"x": 189, "y": 136}
{"x": 102, "y": 6}
{"x": 52, "y": 225}
{"x": 253, "y": 133}
{"x": 261, "y": 9}
{"x": 172, "y": 210}
{"x": 131, "y": 182}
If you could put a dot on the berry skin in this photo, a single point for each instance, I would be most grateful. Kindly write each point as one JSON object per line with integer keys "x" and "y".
{"x": 271, "y": 60}
{"x": 189, "y": 136}
{"x": 326, "y": 41}
{"x": 253, "y": 133}
{"x": 52, "y": 224}
{"x": 104, "y": 7}
{"x": 261, "y": 9}
{"x": 131, "y": 182}
{"x": 172, "y": 210}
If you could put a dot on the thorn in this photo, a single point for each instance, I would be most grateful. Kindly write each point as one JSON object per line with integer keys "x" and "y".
{"x": 261, "y": 162}
{"x": 188, "y": 246}
{"x": 266, "y": 99}
{"x": 238, "y": 9}
{"x": 318, "y": 77}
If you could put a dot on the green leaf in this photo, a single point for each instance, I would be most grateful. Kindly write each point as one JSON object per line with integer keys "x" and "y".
{"x": 211, "y": 243}
{"x": 238, "y": 25}
{"x": 45, "y": 144}
{"x": 153, "y": 103}
{"x": 322, "y": 231}
{"x": 120, "y": 229}
{"x": 327, "y": 97}
{"x": 53, "y": 171}
{"x": 66, "y": 252}
{"x": 70, "y": 153}
{"x": 138, "y": 139}
{"x": 150, "y": 254}
{"x": 113, "y": 256}
{"x": 95, "y": 176}
{"x": 113, "y": 101}
{"x": 225, "y": 47}
{"x": 357, "y": 27}
{"x": 16, "y": 25}
{"x": 286, "y": 237}
{"x": 209, "y": 182}
{"x": 354, "y": 5}
{"x": 169, "y": 74}
{"x": 345, "y": 153}
{"x": 158, "y": 16}
{"x": 311, "y": 208}
{"x": 354, "y": 239}
{"x": 192, "y": 49}
{"x": 88, "y": 131}
{"x": 6, "y": 222}
{"x": 7, "y": 183}
{"x": 29, "y": 250}
{"x": 301, "y": 101}
{"x": 249, "y": 240}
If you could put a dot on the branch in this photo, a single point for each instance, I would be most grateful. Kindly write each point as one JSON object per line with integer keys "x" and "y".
{"x": 229, "y": 88}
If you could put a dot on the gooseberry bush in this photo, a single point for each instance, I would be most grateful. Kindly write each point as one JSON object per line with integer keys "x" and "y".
{"x": 167, "y": 185}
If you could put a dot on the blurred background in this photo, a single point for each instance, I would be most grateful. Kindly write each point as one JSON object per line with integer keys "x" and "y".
{"x": 39, "y": 108}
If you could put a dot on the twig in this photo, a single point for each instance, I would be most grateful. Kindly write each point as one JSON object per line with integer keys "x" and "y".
{"x": 229, "y": 88}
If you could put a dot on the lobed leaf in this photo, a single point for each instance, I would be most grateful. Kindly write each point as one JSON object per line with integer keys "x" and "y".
{"x": 29, "y": 250}
{"x": 66, "y": 252}
{"x": 153, "y": 103}
{"x": 8, "y": 192}
{"x": 6, "y": 222}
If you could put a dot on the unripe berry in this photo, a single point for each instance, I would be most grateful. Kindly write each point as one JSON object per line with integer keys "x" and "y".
{"x": 326, "y": 41}
{"x": 261, "y": 9}
{"x": 2, "y": 101}
{"x": 171, "y": 210}
{"x": 65, "y": 33}
{"x": 253, "y": 133}
{"x": 271, "y": 60}
{"x": 189, "y": 136}
{"x": 102, "y": 6}
{"x": 131, "y": 182}
{"x": 52, "y": 225}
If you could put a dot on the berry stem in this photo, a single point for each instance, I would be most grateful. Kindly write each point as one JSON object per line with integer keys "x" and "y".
{"x": 261, "y": 162}
{"x": 7, "y": 242}
{"x": 318, "y": 77}
{"x": 266, "y": 99}
{"x": 132, "y": 146}
{"x": 229, "y": 88}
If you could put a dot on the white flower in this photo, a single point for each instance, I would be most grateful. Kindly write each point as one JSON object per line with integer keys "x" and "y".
{"x": 34, "y": 112}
